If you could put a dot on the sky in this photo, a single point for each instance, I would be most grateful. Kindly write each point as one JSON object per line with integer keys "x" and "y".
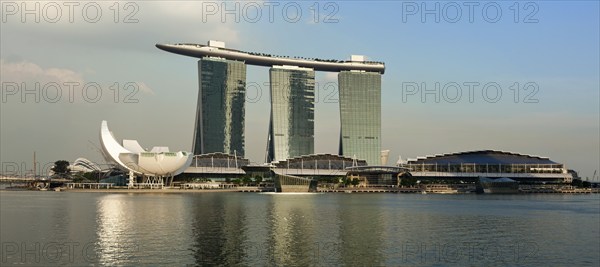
{"x": 518, "y": 76}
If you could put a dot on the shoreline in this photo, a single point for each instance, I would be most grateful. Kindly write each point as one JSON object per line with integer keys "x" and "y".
{"x": 131, "y": 190}
{"x": 237, "y": 190}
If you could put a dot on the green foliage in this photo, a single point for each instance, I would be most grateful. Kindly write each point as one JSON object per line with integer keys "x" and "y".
{"x": 408, "y": 181}
{"x": 92, "y": 176}
{"x": 78, "y": 178}
{"x": 61, "y": 167}
{"x": 258, "y": 179}
{"x": 581, "y": 183}
{"x": 355, "y": 182}
{"x": 81, "y": 177}
{"x": 246, "y": 180}
{"x": 586, "y": 184}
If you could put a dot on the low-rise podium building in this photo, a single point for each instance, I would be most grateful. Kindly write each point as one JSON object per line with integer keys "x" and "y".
{"x": 471, "y": 165}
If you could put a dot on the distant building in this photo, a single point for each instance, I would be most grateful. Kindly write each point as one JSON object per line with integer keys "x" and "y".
{"x": 470, "y": 166}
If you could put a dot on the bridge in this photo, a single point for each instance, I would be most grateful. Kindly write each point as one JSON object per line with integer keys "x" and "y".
{"x": 33, "y": 182}
{"x": 20, "y": 179}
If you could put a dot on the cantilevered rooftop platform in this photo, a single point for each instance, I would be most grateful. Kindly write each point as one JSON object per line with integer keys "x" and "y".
{"x": 267, "y": 60}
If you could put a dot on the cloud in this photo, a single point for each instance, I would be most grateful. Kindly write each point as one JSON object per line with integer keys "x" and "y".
{"x": 74, "y": 88}
{"x": 144, "y": 88}
{"x": 151, "y": 22}
{"x": 26, "y": 72}
{"x": 189, "y": 21}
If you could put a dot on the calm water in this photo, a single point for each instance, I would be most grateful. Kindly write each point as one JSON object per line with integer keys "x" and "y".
{"x": 249, "y": 229}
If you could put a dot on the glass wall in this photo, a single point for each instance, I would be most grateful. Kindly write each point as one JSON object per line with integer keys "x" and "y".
{"x": 221, "y": 107}
{"x": 217, "y": 160}
{"x": 360, "y": 113}
{"x": 291, "y": 129}
{"x": 486, "y": 168}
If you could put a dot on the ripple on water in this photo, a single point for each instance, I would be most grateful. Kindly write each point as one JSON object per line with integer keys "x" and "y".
{"x": 313, "y": 229}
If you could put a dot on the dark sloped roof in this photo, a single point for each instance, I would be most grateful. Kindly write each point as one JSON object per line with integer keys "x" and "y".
{"x": 482, "y": 157}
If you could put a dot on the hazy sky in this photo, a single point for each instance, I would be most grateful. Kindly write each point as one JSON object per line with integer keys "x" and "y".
{"x": 527, "y": 73}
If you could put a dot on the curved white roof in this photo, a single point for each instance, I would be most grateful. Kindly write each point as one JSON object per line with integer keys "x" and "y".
{"x": 132, "y": 157}
{"x": 84, "y": 165}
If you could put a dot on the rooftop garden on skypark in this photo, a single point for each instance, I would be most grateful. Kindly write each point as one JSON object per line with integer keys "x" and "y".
{"x": 285, "y": 57}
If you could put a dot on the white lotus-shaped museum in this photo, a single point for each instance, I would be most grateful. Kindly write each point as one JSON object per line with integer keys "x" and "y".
{"x": 132, "y": 157}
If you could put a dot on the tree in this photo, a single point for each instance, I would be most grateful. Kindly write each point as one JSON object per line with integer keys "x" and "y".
{"x": 355, "y": 182}
{"x": 92, "y": 176}
{"x": 61, "y": 168}
{"x": 581, "y": 183}
{"x": 586, "y": 184}
{"x": 346, "y": 181}
{"x": 408, "y": 181}
{"x": 258, "y": 179}
{"x": 246, "y": 180}
{"x": 78, "y": 177}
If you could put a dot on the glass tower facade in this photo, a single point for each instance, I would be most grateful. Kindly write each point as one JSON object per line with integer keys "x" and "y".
{"x": 221, "y": 107}
{"x": 360, "y": 115}
{"x": 292, "y": 124}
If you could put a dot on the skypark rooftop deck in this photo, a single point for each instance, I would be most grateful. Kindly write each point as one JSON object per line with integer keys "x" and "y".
{"x": 267, "y": 60}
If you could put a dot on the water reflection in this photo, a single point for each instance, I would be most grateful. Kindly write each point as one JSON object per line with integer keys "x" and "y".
{"x": 361, "y": 233}
{"x": 38, "y": 228}
{"x": 138, "y": 229}
{"x": 113, "y": 228}
{"x": 299, "y": 230}
{"x": 292, "y": 229}
{"x": 218, "y": 229}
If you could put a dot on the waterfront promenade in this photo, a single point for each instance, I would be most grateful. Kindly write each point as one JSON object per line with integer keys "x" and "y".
{"x": 327, "y": 188}
{"x": 445, "y": 189}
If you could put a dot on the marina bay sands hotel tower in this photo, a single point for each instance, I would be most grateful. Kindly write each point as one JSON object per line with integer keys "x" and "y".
{"x": 221, "y": 102}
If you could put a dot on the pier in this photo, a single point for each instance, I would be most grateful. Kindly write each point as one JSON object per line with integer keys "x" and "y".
{"x": 386, "y": 189}
{"x": 553, "y": 189}
{"x": 89, "y": 185}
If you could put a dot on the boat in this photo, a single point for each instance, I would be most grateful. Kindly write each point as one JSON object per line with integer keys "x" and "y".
{"x": 499, "y": 186}
{"x": 440, "y": 189}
